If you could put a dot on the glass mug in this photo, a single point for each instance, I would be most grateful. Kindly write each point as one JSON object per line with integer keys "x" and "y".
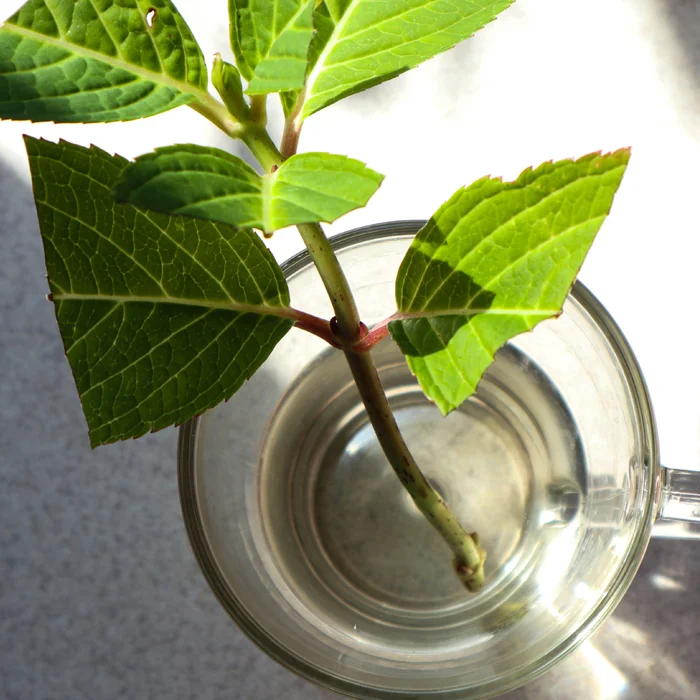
{"x": 316, "y": 551}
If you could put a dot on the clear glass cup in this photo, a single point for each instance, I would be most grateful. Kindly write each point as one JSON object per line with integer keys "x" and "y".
{"x": 312, "y": 546}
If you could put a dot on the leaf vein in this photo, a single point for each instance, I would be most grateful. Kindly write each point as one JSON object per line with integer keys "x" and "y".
{"x": 194, "y": 358}
{"x": 122, "y": 370}
{"x": 108, "y": 239}
{"x": 497, "y": 229}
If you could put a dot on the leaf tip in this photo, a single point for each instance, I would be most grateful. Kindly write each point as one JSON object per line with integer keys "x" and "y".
{"x": 32, "y": 141}
{"x": 444, "y": 410}
{"x": 619, "y": 153}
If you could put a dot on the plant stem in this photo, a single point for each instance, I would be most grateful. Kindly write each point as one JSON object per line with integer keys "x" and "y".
{"x": 292, "y": 129}
{"x": 469, "y": 557}
{"x": 261, "y": 146}
{"x": 347, "y": 317}
{"x": 348, "y": 330}
{"x": 217, "y": 114}
{"x": 290, "y": 138}
{"x": 252, "y": 133}
{"x": 258, "y": 110}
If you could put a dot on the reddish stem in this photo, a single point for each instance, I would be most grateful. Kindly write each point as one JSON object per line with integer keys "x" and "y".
{"x": 378, "y": 332}
{"x": 292, "y": 130}
{"x": 315, "y": 325}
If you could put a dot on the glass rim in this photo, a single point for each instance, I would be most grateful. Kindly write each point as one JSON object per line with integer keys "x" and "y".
{"x": 186, "y": 461}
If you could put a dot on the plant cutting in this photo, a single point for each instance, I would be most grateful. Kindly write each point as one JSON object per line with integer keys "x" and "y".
{"x": 168, "y": 302}
{"x": 167, "y": 299}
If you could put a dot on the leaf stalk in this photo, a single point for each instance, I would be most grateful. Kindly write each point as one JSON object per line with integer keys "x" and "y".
{"x": 315, "y": 325}
{"x": 261, "y": 146}
{"x": 377, "y": 333}
{"x": 217, "y": 114}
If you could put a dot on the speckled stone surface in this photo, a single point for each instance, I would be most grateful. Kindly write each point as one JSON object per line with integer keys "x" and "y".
{"x": 100, "y": 595}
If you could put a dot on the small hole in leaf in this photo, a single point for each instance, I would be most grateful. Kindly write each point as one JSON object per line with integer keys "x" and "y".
{"x": 151, "y": 17}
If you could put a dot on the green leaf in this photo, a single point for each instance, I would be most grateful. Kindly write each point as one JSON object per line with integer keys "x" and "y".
{"x": 213, "y": 184}
{"x": 97, "y": 61}
{"x": 289, "y": 101}
{"x": 361, "y": 43}
{"x": 494, "y": 261}
{"x": 270, "y": 39}
{"x": 162, "y": 317}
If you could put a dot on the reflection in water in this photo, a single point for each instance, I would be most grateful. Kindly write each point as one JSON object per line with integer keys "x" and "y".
{"x": 585, "y": 592}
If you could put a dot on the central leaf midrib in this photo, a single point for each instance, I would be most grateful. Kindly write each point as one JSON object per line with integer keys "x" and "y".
{"x": 391, "y": 49}
{"x": 235, "y": 307}
{"x": 468, "y": 311}
{"x": 289, "y": 24}
{"x": 514, "y": 216}
{"x": 333, "y": 40}
{"x": 141, "y": 72}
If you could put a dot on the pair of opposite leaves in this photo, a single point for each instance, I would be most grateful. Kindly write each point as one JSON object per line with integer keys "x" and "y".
{"x": 99, "y": 60}
{"x": 149, "y": 320}
{"x": 164, "y": 316}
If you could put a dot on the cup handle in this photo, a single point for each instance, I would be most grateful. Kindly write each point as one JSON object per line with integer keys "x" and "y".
{"x": 679, "y": 505}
